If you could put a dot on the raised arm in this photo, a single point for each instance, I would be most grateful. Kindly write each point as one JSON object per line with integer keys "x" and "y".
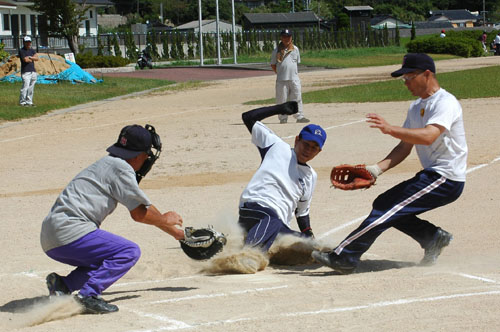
{"x": 252, "y": 116}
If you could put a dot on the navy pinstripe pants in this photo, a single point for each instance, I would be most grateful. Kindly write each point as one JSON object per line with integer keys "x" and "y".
{"x": 398, "y": 207}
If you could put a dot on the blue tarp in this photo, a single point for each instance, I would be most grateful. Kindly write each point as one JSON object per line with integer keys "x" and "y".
{"x": 75, "y": 74}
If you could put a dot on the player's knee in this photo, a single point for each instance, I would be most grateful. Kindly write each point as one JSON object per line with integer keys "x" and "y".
{"x": 133, "y": 252}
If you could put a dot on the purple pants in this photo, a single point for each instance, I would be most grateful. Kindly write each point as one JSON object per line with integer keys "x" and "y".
{"x": 101, "y": 259}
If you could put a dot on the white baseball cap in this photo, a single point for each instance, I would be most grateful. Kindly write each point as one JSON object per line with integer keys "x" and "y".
{"x": 27, "y": 39}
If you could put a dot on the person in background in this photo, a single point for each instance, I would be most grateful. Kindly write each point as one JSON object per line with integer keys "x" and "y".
{"x": 284, "y": 61}
{"x": 443, "y": 34}
{"x": 497, "y": 44}
{"x": 28, "y": 57}
{"x": 484, "y": 36}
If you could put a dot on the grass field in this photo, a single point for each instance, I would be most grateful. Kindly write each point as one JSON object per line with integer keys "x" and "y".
{"x": 463, "y": 84}
{"x": 62, "y": 95}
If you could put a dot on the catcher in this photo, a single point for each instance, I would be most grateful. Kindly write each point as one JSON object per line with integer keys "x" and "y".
{"x": 71, "y": 232}
{"x": 434, "y": 125}
{"x": 284, "y": 183}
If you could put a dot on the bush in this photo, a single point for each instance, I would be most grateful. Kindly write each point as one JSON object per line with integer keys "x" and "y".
{"x": 461, "y": 46}
{"x": 87, "y": 60}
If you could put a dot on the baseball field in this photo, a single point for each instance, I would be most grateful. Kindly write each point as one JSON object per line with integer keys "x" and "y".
{"x": 206, "y": 162}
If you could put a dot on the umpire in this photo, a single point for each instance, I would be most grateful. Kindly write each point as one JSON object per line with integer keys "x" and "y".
{"x": 434, "y": 125}
{"x": 71, "y": 232}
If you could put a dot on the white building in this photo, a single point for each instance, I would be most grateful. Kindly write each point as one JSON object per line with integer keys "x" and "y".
{"x": 17, "y": 19}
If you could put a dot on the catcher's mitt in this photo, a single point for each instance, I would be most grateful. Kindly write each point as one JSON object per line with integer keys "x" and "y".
{"x": 202, "y": 243}
{"x": 349, "y": 177}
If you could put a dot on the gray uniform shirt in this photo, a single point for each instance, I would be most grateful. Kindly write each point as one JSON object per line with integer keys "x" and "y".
{"x": 88, "y": 199}
{"x": 287, "y": 70}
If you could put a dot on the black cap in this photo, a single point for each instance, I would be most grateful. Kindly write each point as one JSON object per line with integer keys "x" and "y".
{"x": 286, "y": 32}
{"x": 413, "y": 62}
{"x": 132, "y": 141}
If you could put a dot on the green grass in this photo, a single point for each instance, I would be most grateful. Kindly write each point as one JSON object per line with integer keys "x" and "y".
{"x": 50, "y": 97}
{"x": 463, "y": 84}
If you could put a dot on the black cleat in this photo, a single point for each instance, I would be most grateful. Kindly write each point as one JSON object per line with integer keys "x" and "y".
{"x": 56, "y": 285}
{"x": 95, "y": 305}
{"x": 336, "y": 264}
{"x": 441, "y": 239}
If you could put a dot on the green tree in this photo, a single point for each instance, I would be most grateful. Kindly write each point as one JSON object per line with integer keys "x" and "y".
{"x": 3, "y": 54}
{"x": 64, "y": 19}
{"x": 116, "y": 46}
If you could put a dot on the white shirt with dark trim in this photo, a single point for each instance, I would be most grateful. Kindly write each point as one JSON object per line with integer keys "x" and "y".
{"x": 447, "y": 155}
{"x": 88, "y": 199}
{"x": 280, "y": 183}
{"x": 287, "y": 70}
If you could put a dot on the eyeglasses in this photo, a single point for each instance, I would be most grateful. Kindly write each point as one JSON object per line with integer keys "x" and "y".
{"x": 409, "y": 78}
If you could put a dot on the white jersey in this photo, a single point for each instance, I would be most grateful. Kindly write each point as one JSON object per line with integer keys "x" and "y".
{"x": 89, "y": 198}
{"x": 447, "y": 155}
{"x": 287, "y": 69}
{"x": 280, "y": 183}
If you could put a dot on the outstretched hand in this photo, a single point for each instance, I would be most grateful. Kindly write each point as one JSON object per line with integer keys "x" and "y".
{"x": 378, "y": 122}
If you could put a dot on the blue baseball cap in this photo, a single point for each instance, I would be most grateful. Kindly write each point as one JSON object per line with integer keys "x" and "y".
{"x": 132, "y": 141}
{"x": 413, "y": 62}
{"x": 314, "y": 133}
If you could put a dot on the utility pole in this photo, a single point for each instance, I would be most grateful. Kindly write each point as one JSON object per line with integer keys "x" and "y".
{"x": 234, "y": 35}
{"x": 484, "y": 13}
{"x": 200, "y": 32}
{"x": 217, "y": 31}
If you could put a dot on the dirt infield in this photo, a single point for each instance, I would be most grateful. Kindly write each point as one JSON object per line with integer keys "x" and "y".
{"x": 207, "y": 160}
{"x": 194, "y": 73}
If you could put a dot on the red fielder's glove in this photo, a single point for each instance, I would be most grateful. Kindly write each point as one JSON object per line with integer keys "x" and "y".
{"x": 351, "y": 177}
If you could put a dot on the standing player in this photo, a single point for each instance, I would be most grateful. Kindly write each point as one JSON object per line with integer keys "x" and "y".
{"x": 434, "y": 125}
{"x": 28, "y": 56}
{"x": 71, "y": 232}
{"x": 284, "y": 61}
{"x": 284, "y": 183}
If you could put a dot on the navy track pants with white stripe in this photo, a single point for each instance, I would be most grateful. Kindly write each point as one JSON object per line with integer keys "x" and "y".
{"x": 398, "y": 207}
{"x": 262, "y": 225}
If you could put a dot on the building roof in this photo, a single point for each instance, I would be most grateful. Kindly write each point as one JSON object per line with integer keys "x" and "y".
{"x": 281, "y": 18}
{"x": 7, "y": 5}
{"x": 454, "y": 15}
{"x": 378, "y": 21}
{"x": 354, "y": 8}
{"x": 433, "y": 25}
{"x": 195, "y": 24}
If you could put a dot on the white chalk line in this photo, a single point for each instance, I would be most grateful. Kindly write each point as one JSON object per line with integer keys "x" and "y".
{"x": 293, "y": 136}
{"x": 325, "y": 311}
{"x": 208, "y": 296}
{"x": 470, "y": 276}
{"x": 177, "y": 325}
